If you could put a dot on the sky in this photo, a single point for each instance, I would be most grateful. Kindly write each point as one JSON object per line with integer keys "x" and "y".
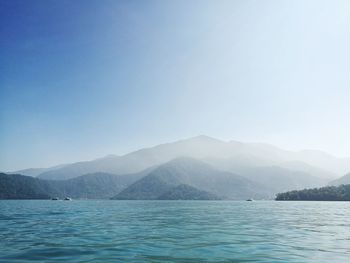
{"x": 83, "y": 79}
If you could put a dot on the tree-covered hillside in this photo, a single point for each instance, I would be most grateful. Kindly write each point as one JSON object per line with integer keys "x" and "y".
{"x": 328, "y": 193}
{"x": 15, "y": 186}
{"x": 89, "y": 186}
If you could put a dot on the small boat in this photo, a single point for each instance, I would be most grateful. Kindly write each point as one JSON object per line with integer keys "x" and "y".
{"x": 250, "y": 200}
{"x": 55, "y": 198}
{"x": 67, "y": 199}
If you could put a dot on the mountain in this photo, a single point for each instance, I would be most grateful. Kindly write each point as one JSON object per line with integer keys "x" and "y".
{"x": 30, "y": 171}
{"x": 328, "y": 193}
{"x": 196, "y": 174}
{"x": 198, "y": 147}
{"x": 342, "y": 180}
{"x": 186, "y": 192}
{"x": 325, "y": 161}
{"x": 105, "y": 164}
{"x": 206, "y": 148}
{"x": 36, "y": 171}
{"x": 307, "y": 168}
{"x": 278, "y": 179}
{"x": 93, "y": 186}
{"x": 273, "y": 175}
{"x": 15, "y": 186}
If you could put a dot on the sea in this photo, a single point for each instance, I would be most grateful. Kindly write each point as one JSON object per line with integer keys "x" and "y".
{"x": 174, "y": 231}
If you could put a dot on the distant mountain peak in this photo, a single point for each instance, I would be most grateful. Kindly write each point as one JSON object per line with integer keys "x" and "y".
{"x": 206, "y": 138}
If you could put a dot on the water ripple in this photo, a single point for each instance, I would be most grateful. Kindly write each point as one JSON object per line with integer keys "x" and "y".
{"x": 174, "y": 231}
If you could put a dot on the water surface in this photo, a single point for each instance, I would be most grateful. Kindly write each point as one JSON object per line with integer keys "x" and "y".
{"x": 174, "y": 231}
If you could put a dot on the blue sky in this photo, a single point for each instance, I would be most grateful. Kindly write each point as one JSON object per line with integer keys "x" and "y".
{"x": 83, "y": 79}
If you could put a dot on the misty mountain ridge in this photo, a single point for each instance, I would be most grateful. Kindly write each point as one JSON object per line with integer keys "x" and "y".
{"x": 207, "y": 148}
{"x": 179, "y": 179}
{"x": 208, "y": 167}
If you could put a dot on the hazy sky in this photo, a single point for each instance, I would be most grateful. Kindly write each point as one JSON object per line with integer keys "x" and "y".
{"x": 82, "y": 79}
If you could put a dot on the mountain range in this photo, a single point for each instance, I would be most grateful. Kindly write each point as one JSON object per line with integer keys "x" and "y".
{"x": 201, "y": 167}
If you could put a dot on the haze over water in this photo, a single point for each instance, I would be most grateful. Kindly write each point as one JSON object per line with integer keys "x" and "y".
{"x": 174, "y": 231}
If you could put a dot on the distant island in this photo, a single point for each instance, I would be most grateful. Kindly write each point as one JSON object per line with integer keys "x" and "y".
{"x": 328, "y": 193}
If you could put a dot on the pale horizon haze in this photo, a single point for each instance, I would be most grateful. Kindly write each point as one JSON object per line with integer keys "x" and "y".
{"x": 80, "y": 80}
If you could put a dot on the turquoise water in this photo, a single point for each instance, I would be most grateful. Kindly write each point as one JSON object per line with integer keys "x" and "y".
{"x": 174, "y": 231}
